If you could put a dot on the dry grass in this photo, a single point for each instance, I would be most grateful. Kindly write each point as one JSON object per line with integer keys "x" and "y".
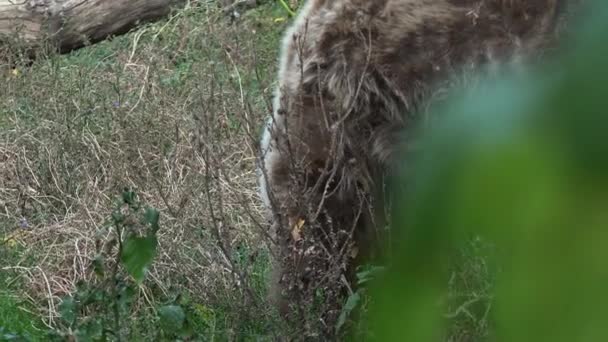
{"x": 173, "y": 111}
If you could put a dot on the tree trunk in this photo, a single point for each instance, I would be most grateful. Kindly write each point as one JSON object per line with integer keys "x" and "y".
{"x": 70, "y": 24}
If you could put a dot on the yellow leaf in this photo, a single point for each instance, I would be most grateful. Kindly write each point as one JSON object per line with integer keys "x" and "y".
{"x": 10, "y": 241}
{"x": 296, "y": 232}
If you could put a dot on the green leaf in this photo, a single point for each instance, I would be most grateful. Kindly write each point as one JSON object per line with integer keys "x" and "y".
{"x": 125, "y": 296}
{"x": 367, "y": 274}
{"x": 128, "y": 197}
{"x": 524, "y": 164}
{"x": 98, "y": 266}
{"x": 67, "y": 310}
{"x": 91, "y": 330}
{"x": 172, "y": 318}
{"x": 151, "y": 217}
{"x": 117, "y": 217}
{"x": 350, "y": 305}
{"x": 138, "y": 254}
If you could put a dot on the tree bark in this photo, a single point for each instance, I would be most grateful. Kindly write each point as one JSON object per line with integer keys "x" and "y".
{"x": 70, "y": 24}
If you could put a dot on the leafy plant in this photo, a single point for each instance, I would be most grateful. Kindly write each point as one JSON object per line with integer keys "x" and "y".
{"x": 358, "y": 299}
{"x": 524, "y": 164}
{"x": 97, "y": 310}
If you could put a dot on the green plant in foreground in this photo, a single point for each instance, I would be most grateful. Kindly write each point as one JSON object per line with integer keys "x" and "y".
{"x": 524, "y": 164}
{"x": 358, "y": 301}
{"x": 101, "y": 310}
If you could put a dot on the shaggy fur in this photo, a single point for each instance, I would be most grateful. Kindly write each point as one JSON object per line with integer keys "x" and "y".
{"x": 352, "y": 75}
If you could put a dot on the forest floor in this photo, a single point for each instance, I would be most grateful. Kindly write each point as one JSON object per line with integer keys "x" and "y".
{"x": 172, "y": 111}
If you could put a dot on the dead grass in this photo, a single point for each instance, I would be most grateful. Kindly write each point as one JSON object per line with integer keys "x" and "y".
{"x": 173, "y": 111}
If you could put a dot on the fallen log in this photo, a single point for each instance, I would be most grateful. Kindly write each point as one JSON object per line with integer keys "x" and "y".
{"x": 70, "y": 24}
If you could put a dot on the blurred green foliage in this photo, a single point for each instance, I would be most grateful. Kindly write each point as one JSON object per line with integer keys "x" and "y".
{"x": 523, "y": 163}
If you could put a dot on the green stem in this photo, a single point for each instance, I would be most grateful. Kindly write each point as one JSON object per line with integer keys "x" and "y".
{"x": 286, "y": 7}
{"x": 115, "y": 286}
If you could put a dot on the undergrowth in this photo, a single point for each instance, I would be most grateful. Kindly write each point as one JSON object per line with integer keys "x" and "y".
{"x": 174, "y": 110}
{"x": 171, "y": 110}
